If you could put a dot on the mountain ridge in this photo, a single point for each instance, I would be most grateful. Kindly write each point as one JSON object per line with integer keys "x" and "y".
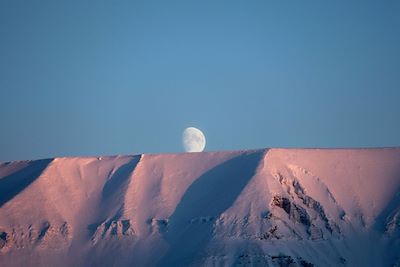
{"x": 261, "y": 207}
{"x": 204, "y": 152}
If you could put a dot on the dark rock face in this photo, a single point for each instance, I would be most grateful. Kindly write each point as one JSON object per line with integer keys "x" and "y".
{"x": 43, "y": 230}
{"x": 116, "y": 228}
{"x": 3, "y": 239}
{"x": 280, "y": 260}
{"x": 312, "y": 203}
{"x": 304, "y": 263}
{"x": 303, "y": 209}
{"x": 46, "y": 234}
{"x": 295, "y": 212}
{"x": 283, "y": 261}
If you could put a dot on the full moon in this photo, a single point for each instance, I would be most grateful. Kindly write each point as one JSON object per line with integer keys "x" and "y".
{"x": 193, "y": 140}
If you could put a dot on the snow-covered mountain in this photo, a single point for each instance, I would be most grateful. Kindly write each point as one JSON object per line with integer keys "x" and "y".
{"x": 269, "y": 207}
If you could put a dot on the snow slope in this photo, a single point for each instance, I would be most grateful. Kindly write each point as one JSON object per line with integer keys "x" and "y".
{"x": 276, "y": 207}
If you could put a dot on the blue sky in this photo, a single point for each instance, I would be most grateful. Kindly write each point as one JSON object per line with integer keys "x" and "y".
{"x": 126, "y": 77}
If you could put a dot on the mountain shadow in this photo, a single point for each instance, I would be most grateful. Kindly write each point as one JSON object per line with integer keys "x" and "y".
{"x": 14, "y": 183}
{"x": 113, "y": 192}
{"x": 115, "y": 184}
{"x": 190, "y": 227}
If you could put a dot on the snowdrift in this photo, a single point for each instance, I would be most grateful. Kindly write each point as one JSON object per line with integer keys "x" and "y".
{"x": 268, "y": 207}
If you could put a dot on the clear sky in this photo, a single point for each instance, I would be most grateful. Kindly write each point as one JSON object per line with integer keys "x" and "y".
{"x": 126, "y": 77}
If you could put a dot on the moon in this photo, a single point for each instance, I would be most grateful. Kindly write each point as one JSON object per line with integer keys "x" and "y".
{"x": 193, "y": 140}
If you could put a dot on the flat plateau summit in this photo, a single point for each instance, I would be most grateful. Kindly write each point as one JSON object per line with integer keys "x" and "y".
{"x": 267, "y": 207}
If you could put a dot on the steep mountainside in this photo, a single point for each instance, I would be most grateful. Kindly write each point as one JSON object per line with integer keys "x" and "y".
{"x": 269, "y": 207}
